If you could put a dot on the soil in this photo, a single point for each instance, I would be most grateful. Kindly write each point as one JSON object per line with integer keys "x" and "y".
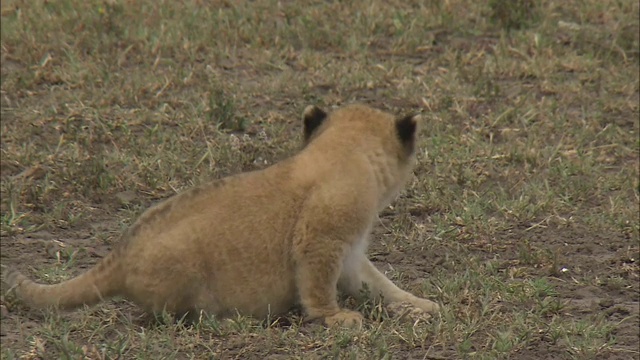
{"x": 581, "y": 253}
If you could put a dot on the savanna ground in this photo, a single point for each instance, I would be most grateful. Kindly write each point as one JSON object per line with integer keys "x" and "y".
{"x": 522, "y": 217}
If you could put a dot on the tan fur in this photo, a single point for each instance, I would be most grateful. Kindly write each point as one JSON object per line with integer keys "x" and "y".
{"x": 260, "y": 242}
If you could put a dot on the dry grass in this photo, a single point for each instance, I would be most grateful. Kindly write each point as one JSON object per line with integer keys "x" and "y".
{"x": 522, "y": 219}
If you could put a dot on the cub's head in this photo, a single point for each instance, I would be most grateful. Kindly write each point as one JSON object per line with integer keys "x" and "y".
{"x": 384, "y": 142}
{"x": 396, "y": 134}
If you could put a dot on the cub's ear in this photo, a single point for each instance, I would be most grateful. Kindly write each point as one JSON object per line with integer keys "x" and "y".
{"x": 407, "y": 128}
{"x": 312, "y": 117}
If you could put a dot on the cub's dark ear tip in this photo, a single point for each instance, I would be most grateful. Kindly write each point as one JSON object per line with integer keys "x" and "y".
{"x": 406, "y": 127}
{"x": 312, "y": 112}
{"x": 312, "y": 118}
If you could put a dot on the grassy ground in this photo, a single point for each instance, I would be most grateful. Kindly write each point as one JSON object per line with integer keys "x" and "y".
{"x": 522, "y": 217}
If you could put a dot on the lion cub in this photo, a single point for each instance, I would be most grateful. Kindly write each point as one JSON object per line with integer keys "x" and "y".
{"x": 260, "y": 242}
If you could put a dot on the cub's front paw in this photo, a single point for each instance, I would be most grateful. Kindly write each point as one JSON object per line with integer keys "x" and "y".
{"x": 425, "y": 305}
{"x": 345, "y": 318}
{"x": 413, "y": 311}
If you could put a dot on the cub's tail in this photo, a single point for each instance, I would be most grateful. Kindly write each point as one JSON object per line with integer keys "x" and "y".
{"x": 104, "y": 280}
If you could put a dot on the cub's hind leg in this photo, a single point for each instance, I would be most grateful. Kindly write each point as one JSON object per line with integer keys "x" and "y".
{"x": 177, "y": 289}
{"x": 358, "y": 270}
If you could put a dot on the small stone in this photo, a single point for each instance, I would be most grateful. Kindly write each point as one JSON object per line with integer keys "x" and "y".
{"x": 605, "y": 303}
{"x": 126, "y": 197}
